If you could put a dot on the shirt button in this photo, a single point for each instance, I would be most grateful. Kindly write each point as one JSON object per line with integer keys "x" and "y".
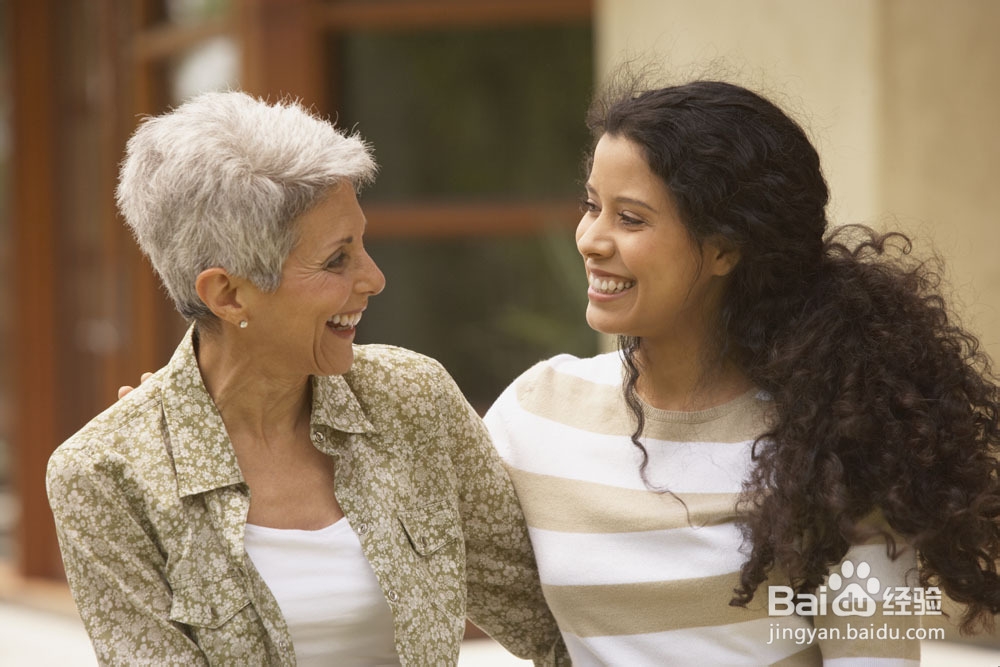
{"x": 318, "y": 437}
{"x": 362, "y": 528}
{"x": 392, "y": 596}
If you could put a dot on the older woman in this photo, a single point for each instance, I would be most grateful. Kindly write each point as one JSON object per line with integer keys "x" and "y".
{"x": 275, "y": 495}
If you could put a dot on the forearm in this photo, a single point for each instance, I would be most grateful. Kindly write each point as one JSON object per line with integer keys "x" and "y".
{"x": 504, "y": 592}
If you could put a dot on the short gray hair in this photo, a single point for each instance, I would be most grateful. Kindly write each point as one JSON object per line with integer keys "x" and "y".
{"x": 218, "y": 181}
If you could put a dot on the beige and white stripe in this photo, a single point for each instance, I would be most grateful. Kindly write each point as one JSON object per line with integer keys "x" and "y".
{"x": 641, "y": 576}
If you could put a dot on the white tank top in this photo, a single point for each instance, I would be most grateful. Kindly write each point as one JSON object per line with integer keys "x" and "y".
{"x": 328, "y": 594}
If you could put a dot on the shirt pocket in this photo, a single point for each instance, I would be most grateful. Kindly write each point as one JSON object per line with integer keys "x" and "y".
{"x": 208, "y": 604}
{"x": 220, "y": 620}
{"x": 431, "y": 528}
{"x": 435, "y": 534}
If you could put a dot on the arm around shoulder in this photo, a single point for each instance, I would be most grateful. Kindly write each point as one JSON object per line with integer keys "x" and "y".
{"x": 504, "y": 592}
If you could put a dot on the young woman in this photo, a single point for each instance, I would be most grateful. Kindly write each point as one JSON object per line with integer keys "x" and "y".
{"x": 796, "y": 445}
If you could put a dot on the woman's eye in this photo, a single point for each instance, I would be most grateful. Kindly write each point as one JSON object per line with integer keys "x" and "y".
{"x": 588, "y": 206}
{"x": 336, "y": 262}
{"x": 629, "y": 221}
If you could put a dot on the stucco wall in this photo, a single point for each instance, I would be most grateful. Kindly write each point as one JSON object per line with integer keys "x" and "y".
{"x": 940, "y": 133}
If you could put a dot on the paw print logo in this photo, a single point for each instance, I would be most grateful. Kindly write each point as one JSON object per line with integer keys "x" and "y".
{"x": 854, "y": 600}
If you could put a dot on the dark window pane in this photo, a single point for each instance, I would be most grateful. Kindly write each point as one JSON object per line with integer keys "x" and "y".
{"x": 485, "y": 308}
{"x": 473, "y": 114}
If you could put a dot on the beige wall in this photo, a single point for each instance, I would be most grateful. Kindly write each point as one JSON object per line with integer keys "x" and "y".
{"x": 940, "y": 137}
{"x": 901, "y": 98}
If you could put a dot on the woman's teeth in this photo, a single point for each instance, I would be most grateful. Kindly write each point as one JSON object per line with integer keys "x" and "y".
{"x": 606, "y": 286}
{"x": 344, "y": 321}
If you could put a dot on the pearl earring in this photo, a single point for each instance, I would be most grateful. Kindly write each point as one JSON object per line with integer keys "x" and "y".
{"x": 243, "y": 324}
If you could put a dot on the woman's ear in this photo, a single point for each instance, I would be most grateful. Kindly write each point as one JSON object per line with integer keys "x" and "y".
{"x": 721, "y": 255}
{"x": 223, "y": 294}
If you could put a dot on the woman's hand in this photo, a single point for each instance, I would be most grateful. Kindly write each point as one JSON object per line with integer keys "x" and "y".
{"x": 125, "y": 389}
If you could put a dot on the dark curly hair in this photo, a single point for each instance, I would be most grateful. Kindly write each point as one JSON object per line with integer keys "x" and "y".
{"x": 881, "y": 401}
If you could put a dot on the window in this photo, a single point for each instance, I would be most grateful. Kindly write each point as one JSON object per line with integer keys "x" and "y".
{"x": 479, "y": 135}
{"x": 486, "y": 308}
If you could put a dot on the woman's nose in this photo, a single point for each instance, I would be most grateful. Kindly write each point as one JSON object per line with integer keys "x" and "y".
{"x": 591, "y": 237}
{"x": 372, "y": 280}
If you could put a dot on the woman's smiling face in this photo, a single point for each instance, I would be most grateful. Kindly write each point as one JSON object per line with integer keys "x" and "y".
{"x": 648, "y": 277}
{"x": 308, "y": 322}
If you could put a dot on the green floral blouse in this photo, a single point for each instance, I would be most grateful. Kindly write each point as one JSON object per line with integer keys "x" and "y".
{"x": 150, "y": 508}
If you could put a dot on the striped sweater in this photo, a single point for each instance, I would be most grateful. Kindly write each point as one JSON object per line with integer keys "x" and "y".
{"x": 634, "y": 578}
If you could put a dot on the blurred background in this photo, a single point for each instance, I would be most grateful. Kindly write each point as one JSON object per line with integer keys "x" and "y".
{"x": 475, "y": 109}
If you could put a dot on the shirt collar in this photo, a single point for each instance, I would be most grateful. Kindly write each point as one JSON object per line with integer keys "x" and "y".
{"x": 204, "y": 458}
{"x": 335, "y": 405}
{"x": 203, "y": 455}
